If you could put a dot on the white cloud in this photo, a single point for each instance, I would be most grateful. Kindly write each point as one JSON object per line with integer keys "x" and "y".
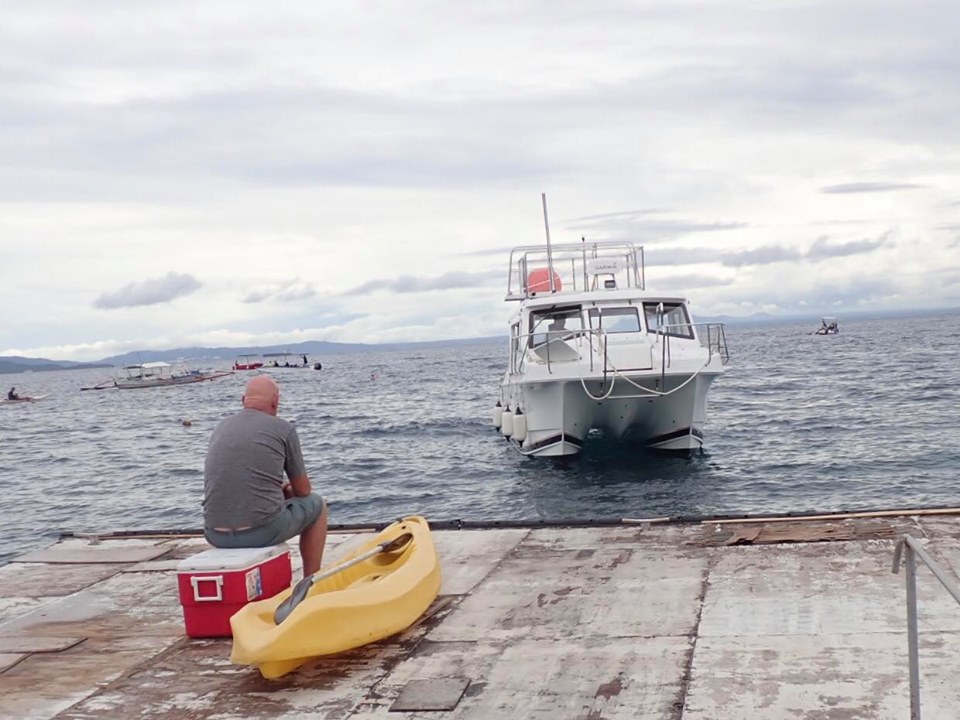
{"x": 869, "y": 187}
{"x": 359, "y": 171}
{"x": 149, "y": 292}
{"x": 283, "y": 292}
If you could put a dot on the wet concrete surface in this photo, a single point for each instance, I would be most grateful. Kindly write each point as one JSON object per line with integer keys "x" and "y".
{"x": 792, "y": 619}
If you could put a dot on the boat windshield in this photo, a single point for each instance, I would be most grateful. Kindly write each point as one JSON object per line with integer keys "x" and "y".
{"x": 670, "y": 317}
{"x": 615, "y": 319}
{"x": 554, "y": 324}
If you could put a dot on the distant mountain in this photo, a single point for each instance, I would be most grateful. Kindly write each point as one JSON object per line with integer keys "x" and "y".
{"x": 314, "y": 349}
{"x": 17, "y": 364}
{"x": 814, "y": 316}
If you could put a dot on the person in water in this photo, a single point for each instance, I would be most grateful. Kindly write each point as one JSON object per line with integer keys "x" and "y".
{"x": 12, "y": 395}
{"x": 246, "y": 502}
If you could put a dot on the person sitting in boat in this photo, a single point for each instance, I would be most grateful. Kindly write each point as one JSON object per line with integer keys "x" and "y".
{"x": 12, "y": 395}
{"x": 246, "y": 502}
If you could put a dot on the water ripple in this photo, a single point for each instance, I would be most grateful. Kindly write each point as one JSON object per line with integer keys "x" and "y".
{"x": 862, "y": 420}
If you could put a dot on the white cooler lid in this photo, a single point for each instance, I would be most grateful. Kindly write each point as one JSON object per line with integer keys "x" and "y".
{"x": 230, "y": 558}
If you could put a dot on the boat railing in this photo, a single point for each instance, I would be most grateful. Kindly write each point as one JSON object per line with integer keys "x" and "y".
{"x": 574, "y": 267}
{"x": 906, "y": 553}
{"x": 710, "y": 336}
{"x": 593, "y": 338}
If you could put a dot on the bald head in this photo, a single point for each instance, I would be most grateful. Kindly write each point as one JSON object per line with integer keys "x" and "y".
{"x": 262, "y": 394}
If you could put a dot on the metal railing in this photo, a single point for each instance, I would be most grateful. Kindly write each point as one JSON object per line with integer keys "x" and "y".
{"x": 710, "y": 335}
{"x": 574, "y": 267}
{"x": 908, "y": 550}
{"x": 590, "y": 336}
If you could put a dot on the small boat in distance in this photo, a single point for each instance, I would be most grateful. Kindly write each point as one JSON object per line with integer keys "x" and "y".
{"x": 828, "y": 326}
{"x": 286, "y": 360}
{"x": 247, "y": 362}
{"x": 157, "y": 374}
{"x": 23, "y": 399}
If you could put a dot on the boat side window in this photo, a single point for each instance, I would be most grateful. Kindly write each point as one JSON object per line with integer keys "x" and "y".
{"x": 674, "y": 322}
{"x": 554, "y": 324}
{"x": 615, "y": 319}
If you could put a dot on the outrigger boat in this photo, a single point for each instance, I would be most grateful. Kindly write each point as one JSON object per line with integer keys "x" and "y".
{"x": 374, "y": 592}
{"x": 157, "y": 374}
{"x": 286, "y": 360}
{"x": 590, "y": 348}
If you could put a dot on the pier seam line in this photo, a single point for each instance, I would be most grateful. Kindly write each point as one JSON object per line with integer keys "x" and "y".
{"x": 681, "y": 702}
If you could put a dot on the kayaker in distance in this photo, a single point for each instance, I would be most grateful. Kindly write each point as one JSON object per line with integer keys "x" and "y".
{"x": 12, "y": 395}
{"x": 246, "y": 503}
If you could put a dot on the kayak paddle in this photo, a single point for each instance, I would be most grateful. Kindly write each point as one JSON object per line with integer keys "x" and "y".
{"x": 301, "y": 589}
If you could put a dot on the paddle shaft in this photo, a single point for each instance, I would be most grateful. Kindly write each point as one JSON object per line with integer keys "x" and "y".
{"x": 301, "y": 589}
{"x": 381, "y": 547}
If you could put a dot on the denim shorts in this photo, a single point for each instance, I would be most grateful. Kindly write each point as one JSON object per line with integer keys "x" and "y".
{"x": 298, "y": 514}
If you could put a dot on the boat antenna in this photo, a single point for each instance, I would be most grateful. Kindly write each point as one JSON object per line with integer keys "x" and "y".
{"x": 546, "y": 225}
{"x": 583, "y": 249}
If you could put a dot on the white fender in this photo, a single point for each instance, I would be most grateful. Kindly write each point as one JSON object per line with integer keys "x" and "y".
{"x": 497, "y": 415}
{"x": 519, "y": 426}
{"x": 506, "y": 423}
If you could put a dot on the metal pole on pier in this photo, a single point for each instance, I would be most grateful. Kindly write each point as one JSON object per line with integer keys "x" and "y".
{"x": 546, "y": 225}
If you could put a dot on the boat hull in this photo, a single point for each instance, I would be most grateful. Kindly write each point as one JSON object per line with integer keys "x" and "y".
{"x": 133, "y": 384}
{"x": 665, "y": 414}
{"x": 366, "y": 602}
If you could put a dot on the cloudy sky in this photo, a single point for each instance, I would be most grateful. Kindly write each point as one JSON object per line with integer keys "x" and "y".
{"x": 242, "y": 172}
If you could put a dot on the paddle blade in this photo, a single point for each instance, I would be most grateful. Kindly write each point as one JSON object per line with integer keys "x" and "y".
{"x": 300, "y": 591}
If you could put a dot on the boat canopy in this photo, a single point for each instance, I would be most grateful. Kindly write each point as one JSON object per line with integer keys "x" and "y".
{"x": 148, "y": 366}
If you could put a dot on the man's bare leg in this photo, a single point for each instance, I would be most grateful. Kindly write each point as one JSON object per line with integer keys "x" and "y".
{"x": 312, "y": 541}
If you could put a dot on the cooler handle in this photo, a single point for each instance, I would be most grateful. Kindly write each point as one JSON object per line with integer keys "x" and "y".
{"x": 216, "y": 579}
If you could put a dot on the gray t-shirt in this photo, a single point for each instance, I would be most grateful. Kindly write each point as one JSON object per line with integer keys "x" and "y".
{"x": 243, "y": 473}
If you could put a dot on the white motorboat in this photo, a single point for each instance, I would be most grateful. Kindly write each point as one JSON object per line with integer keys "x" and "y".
{"x": 828, "y": 326}
{"x": 591, "y": 349}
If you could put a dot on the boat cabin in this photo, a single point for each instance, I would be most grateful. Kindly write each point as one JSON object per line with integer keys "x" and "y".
{"x": 657, "y": 315}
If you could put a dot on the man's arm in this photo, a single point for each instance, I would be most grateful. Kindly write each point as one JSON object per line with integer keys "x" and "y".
{"x": 299, "y": 486}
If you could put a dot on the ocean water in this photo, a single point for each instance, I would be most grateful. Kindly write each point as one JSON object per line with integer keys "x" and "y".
{"x": 865, "y": 419}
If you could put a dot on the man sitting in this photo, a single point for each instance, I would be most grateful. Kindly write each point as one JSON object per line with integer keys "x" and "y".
{"x": 246, "y": 502}
{"x": 12, "y": 395}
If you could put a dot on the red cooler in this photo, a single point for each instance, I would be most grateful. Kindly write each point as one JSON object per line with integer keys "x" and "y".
{"x": 215, "y": 583}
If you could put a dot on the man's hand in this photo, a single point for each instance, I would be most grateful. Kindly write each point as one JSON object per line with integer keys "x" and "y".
{"x": 287, "y": 491}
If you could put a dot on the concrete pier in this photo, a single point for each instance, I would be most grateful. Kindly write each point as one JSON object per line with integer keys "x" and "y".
{"x": 791, "y": 619}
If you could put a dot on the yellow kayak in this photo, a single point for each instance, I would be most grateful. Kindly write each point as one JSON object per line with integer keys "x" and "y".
{"x": 356, "y": 601}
